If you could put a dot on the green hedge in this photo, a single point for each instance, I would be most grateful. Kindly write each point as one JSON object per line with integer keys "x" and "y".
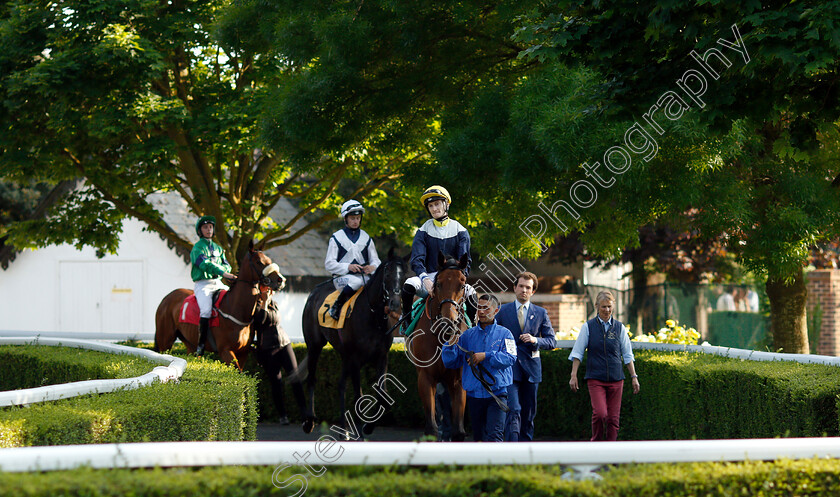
{"x": 783, "y": 478}
{"x": 36, "y": 366}
{"x": 683, "y": 396}
{"x": 211, "y": 402}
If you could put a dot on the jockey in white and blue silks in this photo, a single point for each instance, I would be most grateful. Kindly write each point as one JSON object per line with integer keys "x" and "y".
{"x": 438, "y": 234}
{"x": 351, "y": 255}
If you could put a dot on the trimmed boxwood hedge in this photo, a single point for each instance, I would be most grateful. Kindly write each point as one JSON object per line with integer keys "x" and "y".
{"x": 210, "y": 402}
{"x": 683, "y": 396}
{"x": 816, "y": 477}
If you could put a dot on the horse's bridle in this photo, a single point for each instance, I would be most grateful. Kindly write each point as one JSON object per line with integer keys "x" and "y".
{"x": 262, "y": 278}
{"x": 386, "y": 295}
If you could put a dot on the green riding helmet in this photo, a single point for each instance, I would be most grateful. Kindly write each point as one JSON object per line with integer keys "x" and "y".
{"x": 202, "y": 221}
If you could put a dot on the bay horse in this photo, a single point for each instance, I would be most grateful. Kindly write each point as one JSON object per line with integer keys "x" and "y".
{"x": 442, "y": 317}
{"x": 230, "y": 339}
{"x": 365, "y": 338}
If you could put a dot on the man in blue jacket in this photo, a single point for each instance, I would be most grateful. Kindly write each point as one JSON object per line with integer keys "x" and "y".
{"x": 489, "y": 347}
{"x": 530, "y": 325}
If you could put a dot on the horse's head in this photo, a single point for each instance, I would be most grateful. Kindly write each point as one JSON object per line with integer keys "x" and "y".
{"x": 394, "y": 273}
{"x": 256, "y": 268}
{"x": 449, "y": 286}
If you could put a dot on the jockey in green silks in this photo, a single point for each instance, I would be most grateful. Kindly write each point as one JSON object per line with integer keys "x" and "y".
{"x": 209, "y": 266}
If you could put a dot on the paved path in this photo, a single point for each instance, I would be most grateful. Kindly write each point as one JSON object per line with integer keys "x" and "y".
{"x": 293, "y": 432}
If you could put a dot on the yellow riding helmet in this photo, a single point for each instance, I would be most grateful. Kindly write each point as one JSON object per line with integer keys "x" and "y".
{"x": 435, "y": 192}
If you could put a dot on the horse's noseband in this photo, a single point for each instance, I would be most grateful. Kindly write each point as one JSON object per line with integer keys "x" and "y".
{"x": 263, "y": 276}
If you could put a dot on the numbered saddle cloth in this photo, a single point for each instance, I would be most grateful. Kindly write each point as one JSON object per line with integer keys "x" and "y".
{"x": 324, "y": 318}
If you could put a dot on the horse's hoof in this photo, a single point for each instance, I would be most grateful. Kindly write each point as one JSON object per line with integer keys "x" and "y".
{"x": 308, "y": 425}
{"x": 458, "y": 437}
{"x": 368, "y": 428}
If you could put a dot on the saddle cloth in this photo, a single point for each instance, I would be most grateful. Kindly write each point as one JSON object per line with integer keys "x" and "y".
{"x": 324, "y": 318}
{"x": 417, "y": 309}
{"x": 190, "y": 313}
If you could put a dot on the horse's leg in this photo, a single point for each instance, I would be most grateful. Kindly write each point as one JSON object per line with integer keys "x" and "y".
{"x": 380, "y": 393}
{"x": 426, "y": 389}
{"x": 342, "y": 390}
{"x": 165, "y": 328}
{"x": 356, "y": 376}
{"x": 241, "y": 356}
{"x": 313, "y": 353}
{"x": 458, "y": 401}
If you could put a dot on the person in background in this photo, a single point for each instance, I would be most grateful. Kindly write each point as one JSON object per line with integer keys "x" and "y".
{"x": 490, "y": 347}
{"x": 275, "y": 353}
{"x": 608, "y": 343}
{"x": 752, "y": 300}
{"x": 209, "y": 266}
{"x": 351, "y": 256}
{"x": 532, "y": 330}
{"x": 726, "y": 301}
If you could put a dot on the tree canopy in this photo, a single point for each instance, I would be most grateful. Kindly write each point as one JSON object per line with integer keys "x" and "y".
{"x": 136, "y": 97}
{"x": 727, "y": 108}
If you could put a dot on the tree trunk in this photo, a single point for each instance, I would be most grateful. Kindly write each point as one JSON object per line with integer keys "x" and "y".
{"x": 788, "y": 315}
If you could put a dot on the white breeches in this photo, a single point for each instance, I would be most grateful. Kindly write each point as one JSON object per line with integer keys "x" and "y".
{"x": 354, "y": 281}
{"x": 204, "y": 290}
{"x": 420, "y": 289}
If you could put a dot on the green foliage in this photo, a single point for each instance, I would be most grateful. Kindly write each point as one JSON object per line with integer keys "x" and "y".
{"x": 36, "y": 366}
{"x": 767, "y": 177}
{"x": 210, "y": 402}
{"x": 765, "y": 479}
{"x": 137, "y": 97}
{"x": 683, "y": 396}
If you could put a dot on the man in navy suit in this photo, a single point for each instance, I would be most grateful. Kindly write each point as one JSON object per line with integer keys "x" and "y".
{"x": 532, "y": 330}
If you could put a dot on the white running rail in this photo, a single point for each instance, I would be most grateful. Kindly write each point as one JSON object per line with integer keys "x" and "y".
{"x": 173, "y": 369}
{"x": 580, "y": 456}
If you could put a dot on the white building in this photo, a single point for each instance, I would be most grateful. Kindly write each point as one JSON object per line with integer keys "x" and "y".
{"x": 61, "y": 289}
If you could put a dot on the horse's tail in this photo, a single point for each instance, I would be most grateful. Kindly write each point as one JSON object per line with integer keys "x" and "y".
{"x": 300, "y": 374}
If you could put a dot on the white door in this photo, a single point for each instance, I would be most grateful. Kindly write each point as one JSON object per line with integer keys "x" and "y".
{"x": 80, "y": 301}
{"x": 122, "y": 297}
{"x": 101, "y": 296}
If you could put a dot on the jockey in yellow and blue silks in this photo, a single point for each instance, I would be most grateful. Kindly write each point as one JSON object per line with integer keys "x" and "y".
{"x": 351, "y": 255}
{"x": 209, "y": 266}
{"x": 439, "y": 234}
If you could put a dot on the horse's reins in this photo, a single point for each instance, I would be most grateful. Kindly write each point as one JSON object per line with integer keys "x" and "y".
{"x": 481, "y": 374}
{"x": 264, "y": 281}
{"x": 478, "y": 370}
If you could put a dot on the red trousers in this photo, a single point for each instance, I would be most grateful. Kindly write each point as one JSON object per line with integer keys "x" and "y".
{"x": 606, "y": 408}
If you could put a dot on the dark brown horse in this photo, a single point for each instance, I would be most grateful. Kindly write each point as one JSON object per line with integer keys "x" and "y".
{"x": 364, "y": 339}
{"x": 230, "y": 338}
{"x": 442, "y": 317}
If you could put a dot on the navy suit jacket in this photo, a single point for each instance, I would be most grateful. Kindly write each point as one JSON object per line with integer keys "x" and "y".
{"x": 528, "y": 368}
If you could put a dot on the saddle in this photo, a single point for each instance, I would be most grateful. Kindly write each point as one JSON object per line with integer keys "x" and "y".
{"x": 324, "y": 318}
{"x": 417, "y": 309}
{"x": 190, "y": 313}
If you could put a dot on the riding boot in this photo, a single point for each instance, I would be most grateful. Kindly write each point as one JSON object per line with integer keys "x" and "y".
{"x": 203, "y": 328}
{"x": 407, "y": 296}
{"x": 335, "y": 310}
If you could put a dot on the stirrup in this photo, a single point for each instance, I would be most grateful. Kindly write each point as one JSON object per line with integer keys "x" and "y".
{"x": 335, "y": 312}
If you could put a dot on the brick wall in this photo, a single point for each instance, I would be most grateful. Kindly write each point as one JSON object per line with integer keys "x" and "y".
{"x": 565, "y": 311}
{"x": 824, "y": 289}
